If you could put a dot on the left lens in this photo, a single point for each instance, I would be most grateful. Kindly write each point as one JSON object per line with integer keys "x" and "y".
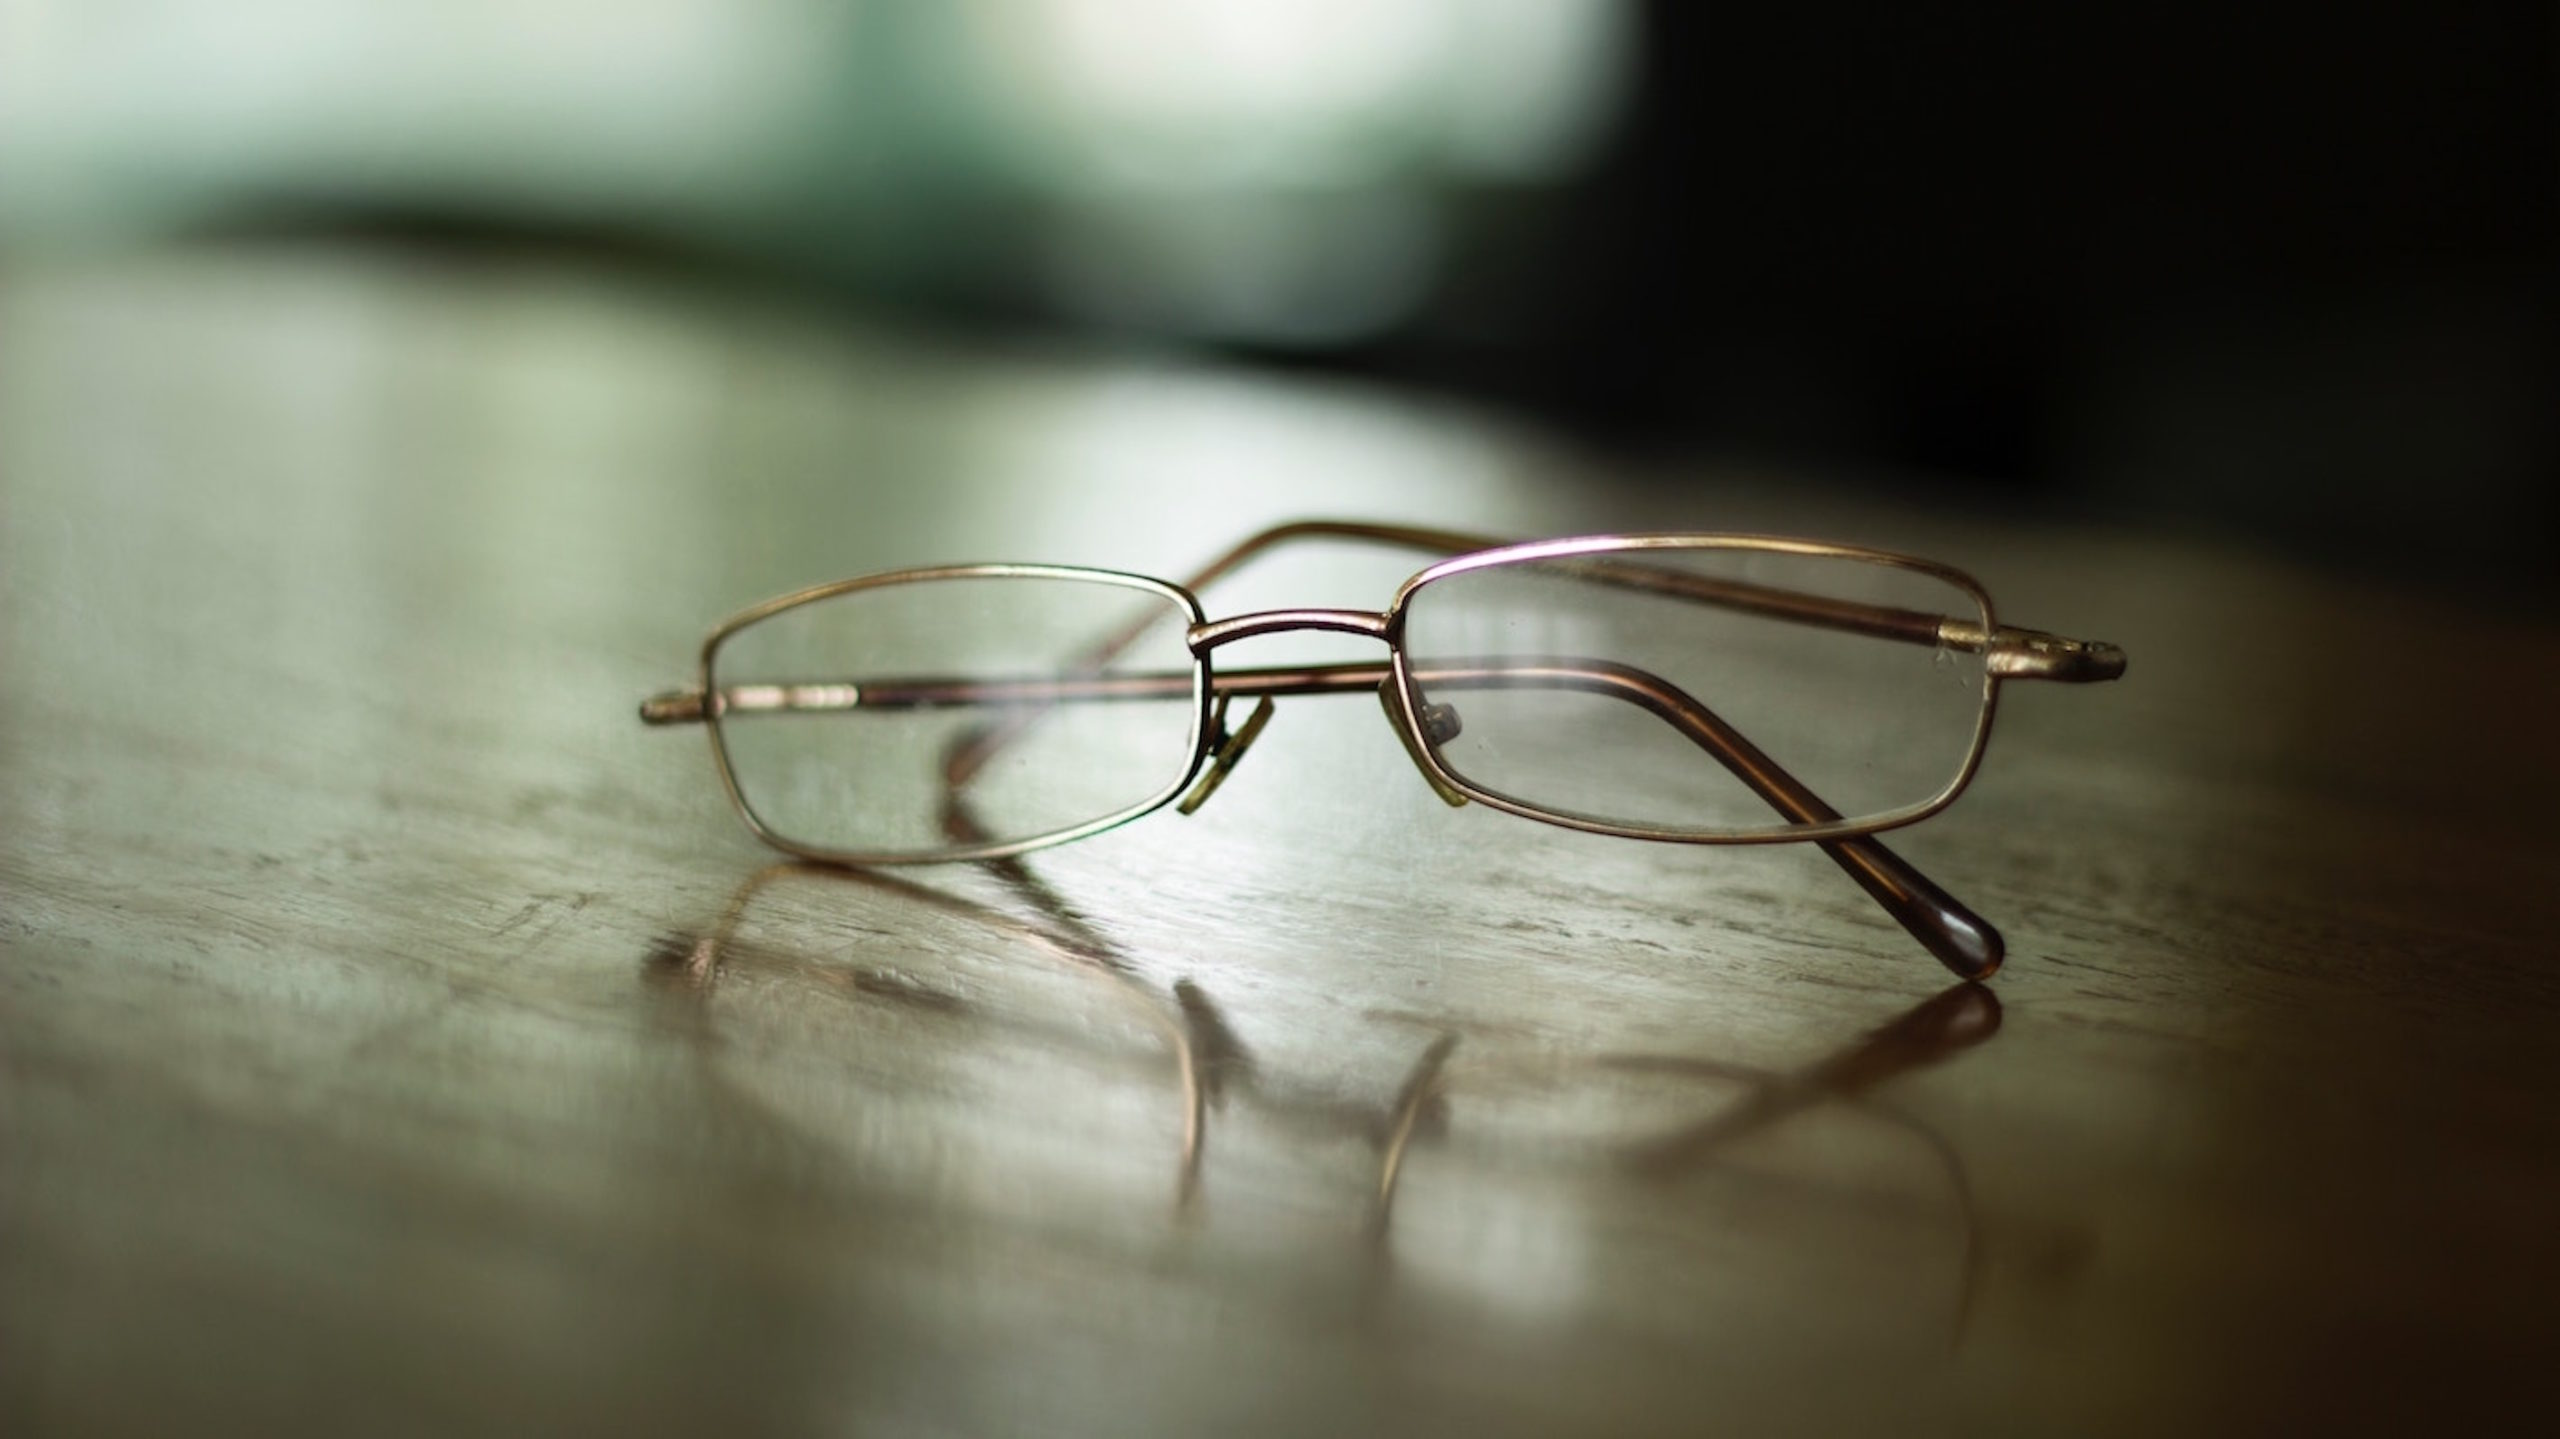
{"x": 1703, "y": 689}
{"x": 938, "y": 714}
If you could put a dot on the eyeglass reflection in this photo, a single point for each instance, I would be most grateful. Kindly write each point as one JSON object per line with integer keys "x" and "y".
{"x": 1021, "y": 1002}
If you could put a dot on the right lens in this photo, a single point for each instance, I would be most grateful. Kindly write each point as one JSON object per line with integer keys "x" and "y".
{"x": 947, "y": 713}
{"x": 1701, "y": 687}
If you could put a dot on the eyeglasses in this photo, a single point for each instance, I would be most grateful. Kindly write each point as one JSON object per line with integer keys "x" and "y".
{"x": 1699, "y": 689}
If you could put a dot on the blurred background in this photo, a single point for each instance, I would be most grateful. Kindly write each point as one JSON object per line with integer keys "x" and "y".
{"x": 2278, "y": 273}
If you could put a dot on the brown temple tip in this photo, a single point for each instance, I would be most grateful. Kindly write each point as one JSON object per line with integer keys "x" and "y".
{"x": 2101, "y": 661}
{"x": 1963, "y": 941}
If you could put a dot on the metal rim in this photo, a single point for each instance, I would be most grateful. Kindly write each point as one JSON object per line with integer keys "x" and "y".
{"x": 1409, "y": 704}
{"x": 706, "y": 673}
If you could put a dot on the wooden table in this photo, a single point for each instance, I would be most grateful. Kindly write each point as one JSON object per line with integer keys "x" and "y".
{"x": 398, "y": 1037}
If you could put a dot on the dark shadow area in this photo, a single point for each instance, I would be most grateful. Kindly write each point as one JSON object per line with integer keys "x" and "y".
{"x": 2276, "y": 271}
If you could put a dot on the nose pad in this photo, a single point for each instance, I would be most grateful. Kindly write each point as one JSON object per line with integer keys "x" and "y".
{"x": 1440, "y": 722}
{"x": 1231, "y": 747}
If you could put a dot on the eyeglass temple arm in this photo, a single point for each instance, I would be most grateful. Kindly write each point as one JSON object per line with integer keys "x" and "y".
{"x": 1413, "y": 537}
{"x": 2011, "y": 652}
{"x": 1960, "y": 939}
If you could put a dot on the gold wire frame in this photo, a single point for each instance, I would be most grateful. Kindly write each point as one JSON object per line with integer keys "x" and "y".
{"x": 1408, "y": 687}
{"x": 713, "y": 710}
{"x": 1960, "y": 939}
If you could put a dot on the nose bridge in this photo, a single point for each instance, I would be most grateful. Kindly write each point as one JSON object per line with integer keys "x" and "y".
{"x": 1208, "y": 636}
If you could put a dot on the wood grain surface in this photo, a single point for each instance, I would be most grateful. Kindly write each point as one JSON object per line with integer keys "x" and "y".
{"x": 398, "y": 1038}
